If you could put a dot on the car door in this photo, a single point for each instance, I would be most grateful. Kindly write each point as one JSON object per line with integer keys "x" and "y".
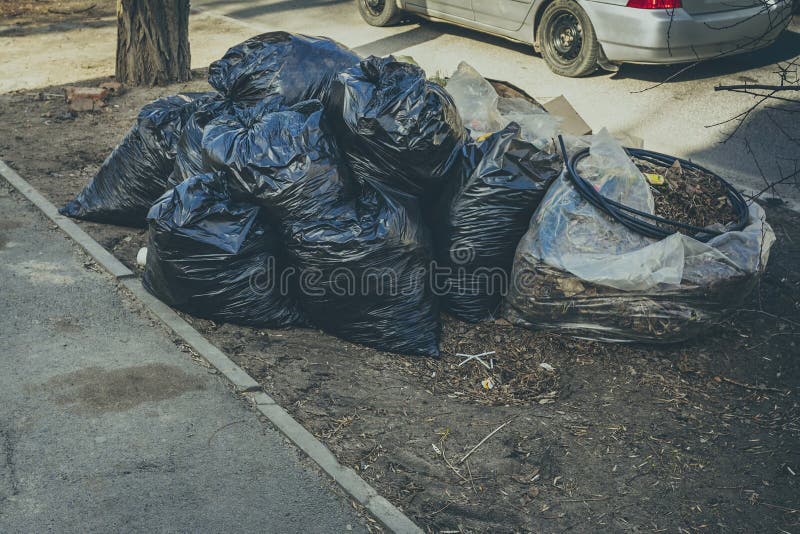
{"x": 504, "y": 14}
{"x": 455, "y": 9}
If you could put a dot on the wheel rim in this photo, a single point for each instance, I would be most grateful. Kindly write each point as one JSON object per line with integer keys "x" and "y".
{"x": 375, "y": 7}
{"x": 566, "y": 36}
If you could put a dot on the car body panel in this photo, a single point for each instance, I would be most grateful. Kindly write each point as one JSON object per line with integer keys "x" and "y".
{"x": 713, "y": 28}
{"x": 503, "y": 14}
{"x": 700, "y": 7}
{"x": 522, "y": 34}
{"x": 664, "y": 36}
{"x": 456, "y": 10}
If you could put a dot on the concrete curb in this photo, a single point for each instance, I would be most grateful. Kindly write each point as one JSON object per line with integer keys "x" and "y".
{"x": 389, "y": 515}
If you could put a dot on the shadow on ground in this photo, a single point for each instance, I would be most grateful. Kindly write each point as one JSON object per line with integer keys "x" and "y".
{"x": 776, "y": 158}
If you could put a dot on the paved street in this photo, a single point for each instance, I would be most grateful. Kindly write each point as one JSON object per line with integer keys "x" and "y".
{"x": 105, "y": 426}
{"x": 672, "y": 118}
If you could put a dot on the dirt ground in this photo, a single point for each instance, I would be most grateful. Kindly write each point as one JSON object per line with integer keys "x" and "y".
{"x": 699, "y": 437}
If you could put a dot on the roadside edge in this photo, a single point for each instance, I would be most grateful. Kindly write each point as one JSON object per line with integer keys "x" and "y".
{"x": 355, "y": 486}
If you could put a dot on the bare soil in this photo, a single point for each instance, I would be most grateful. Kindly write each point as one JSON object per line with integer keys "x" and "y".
{"x": 19, "y": 14}
{"x": 702, "y": 437}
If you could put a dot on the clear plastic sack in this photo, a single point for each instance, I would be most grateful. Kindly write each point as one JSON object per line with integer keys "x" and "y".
{"x": 578, "y": 272}
{"x": 483, "y": 111}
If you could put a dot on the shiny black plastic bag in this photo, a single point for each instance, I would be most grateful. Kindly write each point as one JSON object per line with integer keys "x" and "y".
{"x": 481, "y": 218}
{"x": 395, "y": 126}
{"x": 292, "y": 66}
{"x": 136, "y": 172}
{"x": 214, "y": 258}
{"x": 189, "y": 152}
{"x": 281, "y": 159}
{"x": 363, "y": 273}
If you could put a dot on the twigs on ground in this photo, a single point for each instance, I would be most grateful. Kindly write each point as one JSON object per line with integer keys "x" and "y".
{"x": 484, "y": 440}
{"x": 749, "y": 386}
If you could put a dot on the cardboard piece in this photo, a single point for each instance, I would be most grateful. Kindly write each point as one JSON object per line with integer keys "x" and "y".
{"x": 572, "y": 122}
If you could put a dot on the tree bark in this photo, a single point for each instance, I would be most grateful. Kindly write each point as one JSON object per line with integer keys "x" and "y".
{"x": 153, "y": 42}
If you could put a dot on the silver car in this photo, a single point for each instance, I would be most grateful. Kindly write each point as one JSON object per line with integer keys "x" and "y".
{"x": 575, "y": 37}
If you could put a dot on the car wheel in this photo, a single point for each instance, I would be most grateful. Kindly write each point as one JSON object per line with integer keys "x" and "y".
{"x": 567, "y": 39}
{"x": 379, "y": 12}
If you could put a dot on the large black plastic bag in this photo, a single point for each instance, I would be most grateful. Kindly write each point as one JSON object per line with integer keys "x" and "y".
{"x": 282, "y": 160}
{"x": 363, "y": 273}
{"x": 214, "y": 258}
{"x": 189, "y": 153}
{"x": 136, "y": 172}
{"x": 293, "y": 67}
{"x": 482, "y": 216}
{"x": 395, "y": 126}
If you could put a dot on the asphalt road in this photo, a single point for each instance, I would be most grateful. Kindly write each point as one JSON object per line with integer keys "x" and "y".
{"x": 105, "y": 426}
{"x": 676, "y": 117}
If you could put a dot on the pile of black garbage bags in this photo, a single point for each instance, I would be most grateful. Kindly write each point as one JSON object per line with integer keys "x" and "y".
{"x": 317, "y": 188}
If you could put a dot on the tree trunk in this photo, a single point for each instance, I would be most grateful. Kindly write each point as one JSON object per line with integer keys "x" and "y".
{"x": 153, "y": 42}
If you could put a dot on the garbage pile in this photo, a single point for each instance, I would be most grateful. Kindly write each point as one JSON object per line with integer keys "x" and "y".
{"x": 317, "y": 188}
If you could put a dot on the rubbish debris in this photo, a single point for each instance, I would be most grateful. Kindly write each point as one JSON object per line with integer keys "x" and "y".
{"x": 136, "y": 172}
{"x": 484, "y": 110}
{"x": 291, "y": 67}
{"x": 216, "y": 258}
{"x": 476, "y": 100}
{"x": 189, "y": 151}
{"x": 316, "y": 186}
{"x": 395, "y": 127}
{"x": 624, "y": 286}
{"x": 482, "y": 215}
{"x": 477, "y": 358}
{"x": 363, "y": 265}
{"x": 572, "y": 123}
{"x": 114, "y": 88}
{"x": 86, "y": 98}
{"x": 281, "y": 159}
{"x": 141, "y": 257}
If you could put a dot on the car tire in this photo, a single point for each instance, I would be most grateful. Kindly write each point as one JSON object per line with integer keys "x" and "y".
{"x": 567, "y": 40}
{"x": 379, "y": 12}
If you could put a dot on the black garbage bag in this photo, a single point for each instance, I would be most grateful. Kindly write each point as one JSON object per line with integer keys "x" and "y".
{"x": 281, "y": 159}
{"x": 292, "y": 66}
{"x": 136, "y": 172}
{"x": 481, "y": 218}
{"x": 363, "y": 273}
{"x": 214, "y": 258}
{"x": 189, "y": 152}
{"x": 395, "y": 126}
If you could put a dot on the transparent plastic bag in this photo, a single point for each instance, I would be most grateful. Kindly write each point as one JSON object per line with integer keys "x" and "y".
{"x": 539, "y": 127}
{"x": 476, "y": 101}
{"x": 578, "y": 272}
{"x": 484, "y": 112}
